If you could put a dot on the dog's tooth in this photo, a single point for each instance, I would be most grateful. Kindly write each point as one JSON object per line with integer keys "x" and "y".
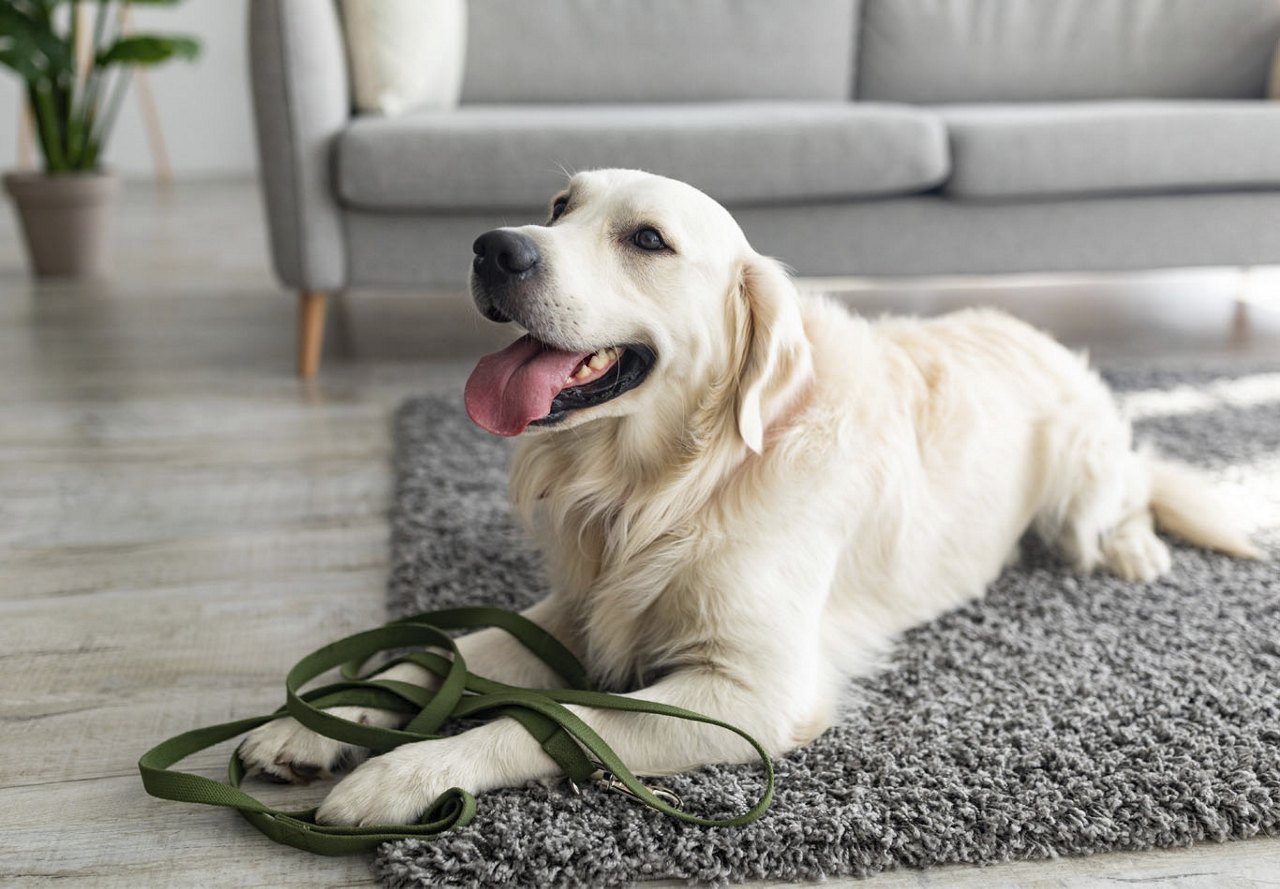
{"x": 583, "y": 371}
{"x": 598, "y": 361}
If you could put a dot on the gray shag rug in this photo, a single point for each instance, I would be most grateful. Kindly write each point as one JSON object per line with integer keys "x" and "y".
{"x": 1060, "y": 715}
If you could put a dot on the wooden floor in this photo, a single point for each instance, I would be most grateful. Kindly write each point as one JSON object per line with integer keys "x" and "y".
{"x": 180, "y": 519}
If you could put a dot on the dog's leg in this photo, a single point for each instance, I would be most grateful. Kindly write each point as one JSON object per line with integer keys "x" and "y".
{"x": 1098, "y": 499}
{"x": 285, "y": 750}
{"x": 394, "y": 788}
{"x": 1111, "y": 522}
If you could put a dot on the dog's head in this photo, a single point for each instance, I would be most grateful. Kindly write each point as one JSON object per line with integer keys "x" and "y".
{"x": 640, "y": 295}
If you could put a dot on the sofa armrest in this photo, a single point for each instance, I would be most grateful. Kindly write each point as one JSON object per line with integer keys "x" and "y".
{"x": 301, "y": 100}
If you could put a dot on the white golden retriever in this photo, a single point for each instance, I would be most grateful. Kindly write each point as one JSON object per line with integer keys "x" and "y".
{"x": 744, "y": 495}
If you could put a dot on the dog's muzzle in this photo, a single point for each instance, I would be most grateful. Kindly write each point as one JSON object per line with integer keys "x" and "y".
{"x": 502, "y": 257}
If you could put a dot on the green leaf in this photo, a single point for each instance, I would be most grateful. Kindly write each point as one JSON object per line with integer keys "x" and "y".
{"x": 148, "y": 49}
{"x": 36, "y": 11}
{"x": 34, "y": 43}
{"x": 22, "y": 63}
{"x": 23, "y": 8}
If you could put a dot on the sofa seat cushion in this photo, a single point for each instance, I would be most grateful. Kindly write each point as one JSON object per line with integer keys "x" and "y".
{"x": 1092, "y": 148}
{"x": 741, "y": 153}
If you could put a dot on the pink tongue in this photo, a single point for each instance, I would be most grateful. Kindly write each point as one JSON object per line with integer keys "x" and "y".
{"x": 511, "y": 388}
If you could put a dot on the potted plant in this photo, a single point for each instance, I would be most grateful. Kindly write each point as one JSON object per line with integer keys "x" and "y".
{"x": 76, "y": 80}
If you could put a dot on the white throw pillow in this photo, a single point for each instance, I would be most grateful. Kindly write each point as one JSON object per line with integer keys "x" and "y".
{"x": 405, "y": 53}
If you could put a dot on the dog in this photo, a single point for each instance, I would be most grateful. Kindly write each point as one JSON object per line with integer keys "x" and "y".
{"x": 743, "y": 494}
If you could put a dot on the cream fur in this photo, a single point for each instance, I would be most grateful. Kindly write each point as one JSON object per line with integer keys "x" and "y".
{"x": 791, "y": 488}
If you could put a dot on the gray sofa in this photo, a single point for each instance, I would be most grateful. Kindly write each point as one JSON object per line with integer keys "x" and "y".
{"x": 849, "y": 137}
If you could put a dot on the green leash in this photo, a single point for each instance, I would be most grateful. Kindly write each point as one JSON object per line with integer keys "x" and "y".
{"x": 579, "y": 751}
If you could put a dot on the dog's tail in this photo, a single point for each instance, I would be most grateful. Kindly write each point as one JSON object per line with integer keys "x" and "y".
{"x": 1186, "y": 505}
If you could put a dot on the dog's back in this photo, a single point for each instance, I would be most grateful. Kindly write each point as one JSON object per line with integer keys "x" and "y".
{"x": 967, "y": 430}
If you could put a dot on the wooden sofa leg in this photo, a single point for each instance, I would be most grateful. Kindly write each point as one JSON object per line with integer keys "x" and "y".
{"x": 311, "y": 314}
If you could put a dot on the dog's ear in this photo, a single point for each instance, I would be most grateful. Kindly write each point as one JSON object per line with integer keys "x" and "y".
{"x": 775, "y": 359}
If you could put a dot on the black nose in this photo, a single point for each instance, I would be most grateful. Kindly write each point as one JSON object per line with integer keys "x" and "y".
{"x": 502, "y": 254}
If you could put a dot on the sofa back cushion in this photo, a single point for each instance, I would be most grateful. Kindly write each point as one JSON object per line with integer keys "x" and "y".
{"x": 659, "y": 50}
{"x": 1034, "y": 50}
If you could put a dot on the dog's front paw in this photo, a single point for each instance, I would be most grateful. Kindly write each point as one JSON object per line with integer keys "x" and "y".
{"x": 286, "y": 751}
{"x": 1137, "y": 556}
{"x": 394, "y": 788}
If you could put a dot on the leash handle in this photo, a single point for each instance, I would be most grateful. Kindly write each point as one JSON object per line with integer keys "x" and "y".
{"x": 573, "y": 744}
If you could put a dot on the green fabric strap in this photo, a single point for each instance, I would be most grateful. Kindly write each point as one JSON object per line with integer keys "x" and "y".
{"x": 578, "y": 750}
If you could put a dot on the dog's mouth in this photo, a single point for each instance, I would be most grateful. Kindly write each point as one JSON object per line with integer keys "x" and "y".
{"x": 532, "y": 383}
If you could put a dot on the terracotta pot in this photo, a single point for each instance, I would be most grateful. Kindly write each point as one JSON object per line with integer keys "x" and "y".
{"x": 65, "y": 220}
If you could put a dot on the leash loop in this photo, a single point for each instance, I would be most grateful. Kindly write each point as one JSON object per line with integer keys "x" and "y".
{"x": 580, "y": 752}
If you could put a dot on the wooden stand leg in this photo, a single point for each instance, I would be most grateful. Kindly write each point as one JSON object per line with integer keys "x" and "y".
{"x": 311, "y": 312}
{"x": 26, "y": 137}
{"x": 1240, "y": 316}
{"x": 1240, "y": 324}
{"x": 155, "y": 135}
{"x": 150, "y": 114}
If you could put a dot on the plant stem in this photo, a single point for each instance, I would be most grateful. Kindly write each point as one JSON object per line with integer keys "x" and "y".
{"x": 79, "y": 85}
{"x": 32, "y": 105}
{"x": 99, "y": 28}
{"x": 108, "y": 118}
{"x": 73, "y": 37}
{"x": 98, "y": 125}
{"x": 87, "y": 111}
{"x": 46, "y": 112}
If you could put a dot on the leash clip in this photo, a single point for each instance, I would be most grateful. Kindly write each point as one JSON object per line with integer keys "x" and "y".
{"x": 609, "y": 781}
{"x": 666, "y": 794}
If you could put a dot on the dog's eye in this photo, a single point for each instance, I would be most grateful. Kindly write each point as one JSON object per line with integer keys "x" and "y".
{"x": 648, "y": 239}
{"x": 558, "y": 208}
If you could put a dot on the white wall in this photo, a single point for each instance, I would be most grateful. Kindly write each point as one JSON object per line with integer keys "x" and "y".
{"x": 203, "y": 105}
